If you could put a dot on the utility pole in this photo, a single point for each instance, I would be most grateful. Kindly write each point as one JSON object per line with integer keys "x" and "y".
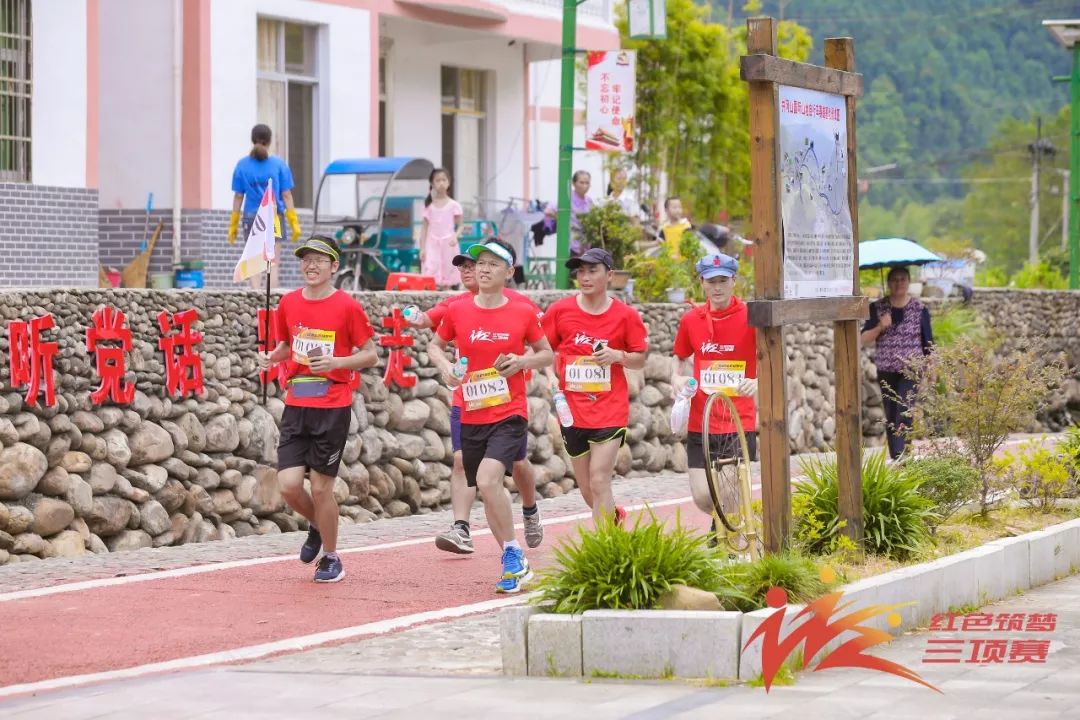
{"x": 1064, "y": 209}
{"x": 566, "y": 142}
{"x": 1033, "y": 228}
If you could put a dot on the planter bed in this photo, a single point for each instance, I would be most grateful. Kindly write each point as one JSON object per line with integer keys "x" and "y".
{"x": 689, "y": 644}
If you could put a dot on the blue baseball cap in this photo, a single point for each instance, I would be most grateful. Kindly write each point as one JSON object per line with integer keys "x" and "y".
{"x": 717, "y": 265}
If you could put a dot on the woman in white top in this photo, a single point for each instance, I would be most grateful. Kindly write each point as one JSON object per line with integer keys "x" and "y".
{"x": 617, "y": 193}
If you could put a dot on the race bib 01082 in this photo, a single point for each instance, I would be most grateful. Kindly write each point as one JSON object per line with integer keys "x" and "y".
{"x": 484, "y": 389}
{"x": 308, "y": 344}
{"x": 722, "y": 376}
{"x": 583, "y": 374}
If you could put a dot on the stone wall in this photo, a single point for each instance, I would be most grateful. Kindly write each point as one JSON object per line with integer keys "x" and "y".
{"x": 78, "y": 478}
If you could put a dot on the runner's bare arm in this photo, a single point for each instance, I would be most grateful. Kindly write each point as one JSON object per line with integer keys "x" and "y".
{"x": 540, "y": 357}
{"x": 683, "y": 373}
{"x": 280, "y": 354}
{"x": 437, "y": 355}
{"x": 609, "y": 356}
{"x": 424, "y": 323}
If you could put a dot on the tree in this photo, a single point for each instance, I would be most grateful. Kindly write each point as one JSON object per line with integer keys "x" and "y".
{"x": 692, "y": 110}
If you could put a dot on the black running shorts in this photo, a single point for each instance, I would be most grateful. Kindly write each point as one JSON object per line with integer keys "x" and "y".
{"x": 579, "y": 441}
{"x": 313, "y": 438}
{"x": 500, "y": 441}
{"x": 722, "y": 446}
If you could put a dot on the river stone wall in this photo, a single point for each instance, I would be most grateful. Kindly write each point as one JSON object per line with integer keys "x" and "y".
{"x": 77, "y": 478}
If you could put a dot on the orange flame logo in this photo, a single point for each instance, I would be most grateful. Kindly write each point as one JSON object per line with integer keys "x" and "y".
{"x": 823, "y": 624}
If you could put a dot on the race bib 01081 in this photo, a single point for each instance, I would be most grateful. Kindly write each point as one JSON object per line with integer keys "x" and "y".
{"x": 308, "y": 344}
{"x": 722, "y": 376}
{"x": 583, "y": 374}
{"x": 484, "y": 389}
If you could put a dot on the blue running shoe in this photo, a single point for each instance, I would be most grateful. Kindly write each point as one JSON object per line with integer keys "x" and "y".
{"x": 516, "y": 571}
{"x": 329, "y": 570}
{"x": 311, "y": 547}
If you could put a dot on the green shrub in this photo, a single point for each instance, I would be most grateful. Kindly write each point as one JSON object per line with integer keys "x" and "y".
{"x": 612, "y": 567}
{"x": 1041, "y": 275}
{"x": 606, "y": 226}
{"x": 1040, "y": 475}
{"x": 954, "y": 323}
{"x": 896, "y": 517}
{"x": 798, "y": 575}
{"x": 947, "y": 481}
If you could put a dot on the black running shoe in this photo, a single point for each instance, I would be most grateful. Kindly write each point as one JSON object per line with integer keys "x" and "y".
{"x": 311, "y": 547}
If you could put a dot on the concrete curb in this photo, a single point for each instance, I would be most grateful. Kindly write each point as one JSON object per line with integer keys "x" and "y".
{"x": 694, "y": 644}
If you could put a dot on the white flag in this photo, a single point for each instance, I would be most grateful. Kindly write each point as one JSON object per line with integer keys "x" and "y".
{"x": 260, "y": 246}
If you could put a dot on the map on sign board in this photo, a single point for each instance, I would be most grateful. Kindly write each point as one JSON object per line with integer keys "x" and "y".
{"x": 818, "y": 240}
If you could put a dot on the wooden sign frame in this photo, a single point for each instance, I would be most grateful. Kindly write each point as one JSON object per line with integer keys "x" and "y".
{"x": 769, "y": 312}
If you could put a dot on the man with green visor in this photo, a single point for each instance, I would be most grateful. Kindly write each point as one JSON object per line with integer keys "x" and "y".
{"x": 324, "y": 326}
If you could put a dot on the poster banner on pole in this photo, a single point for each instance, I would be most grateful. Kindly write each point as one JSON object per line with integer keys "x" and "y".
{"x": 609, "y": 121}
{"x": 648, "y": 19}
{"x": 819, "y": 244}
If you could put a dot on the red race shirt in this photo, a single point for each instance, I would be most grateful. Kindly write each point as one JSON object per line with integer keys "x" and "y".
{"x": 437, "y": 313}
{"x": 724, "y": 348}
{"x": 336, "y": 325}
{"x": 598, "y": 397}
{"x": 481, "y": 335}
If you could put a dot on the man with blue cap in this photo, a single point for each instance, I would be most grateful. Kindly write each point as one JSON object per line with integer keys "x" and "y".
{"x": 716, "y": 346}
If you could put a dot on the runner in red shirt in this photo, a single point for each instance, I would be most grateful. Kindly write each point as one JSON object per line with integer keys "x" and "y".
{"x": 493, "y": 332}
{"x": 324, "y": 326}
{"x": 458, "y": 538}
{"x": 595, "y": 337}
{"x": 718, "y": 348}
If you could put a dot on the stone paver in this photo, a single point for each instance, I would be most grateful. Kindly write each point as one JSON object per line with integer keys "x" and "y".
{"x": 408, "y": 675}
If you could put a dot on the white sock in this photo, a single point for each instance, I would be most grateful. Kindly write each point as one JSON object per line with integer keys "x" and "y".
{"x": 512, "y": 544}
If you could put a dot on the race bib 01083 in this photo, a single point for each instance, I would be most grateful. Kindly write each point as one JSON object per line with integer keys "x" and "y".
{"x": 583, "y": 374}
{"x": 308, "y": 344}
{"x": 484, "y": 389}
{"x": 722, "y": 376}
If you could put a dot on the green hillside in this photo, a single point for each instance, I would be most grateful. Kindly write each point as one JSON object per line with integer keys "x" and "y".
{"x": 941, "y": 76}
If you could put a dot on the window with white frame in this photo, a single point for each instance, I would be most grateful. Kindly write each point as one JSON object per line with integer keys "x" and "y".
{"x": 464, "y": 134}
{"x": 287, "y": 87}
{"x": 15, "y": 90}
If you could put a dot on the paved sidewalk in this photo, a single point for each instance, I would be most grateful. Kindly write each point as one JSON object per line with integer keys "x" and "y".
{"x": 346, "y": 682}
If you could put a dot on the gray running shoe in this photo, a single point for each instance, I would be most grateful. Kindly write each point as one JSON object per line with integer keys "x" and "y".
{"x": 534, "y": 531}
{"x": 455, "y": 540}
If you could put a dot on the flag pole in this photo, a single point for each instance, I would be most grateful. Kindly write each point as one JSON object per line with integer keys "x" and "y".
{"x": 266, "y": 333}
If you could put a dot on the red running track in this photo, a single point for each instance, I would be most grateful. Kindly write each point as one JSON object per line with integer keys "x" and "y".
{"x": 123, "y": 626}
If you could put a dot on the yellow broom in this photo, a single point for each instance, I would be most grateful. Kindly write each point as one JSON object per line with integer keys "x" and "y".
{"x": 134, "y": 274}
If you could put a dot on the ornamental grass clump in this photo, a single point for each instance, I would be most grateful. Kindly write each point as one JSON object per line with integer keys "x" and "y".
{"x": 798, "y": 575}
{"x": 896, "y": 517}
{"x": 612, "y": 568}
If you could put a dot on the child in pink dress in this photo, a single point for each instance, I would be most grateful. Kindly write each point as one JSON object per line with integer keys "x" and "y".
{"x": 442, "y": 227}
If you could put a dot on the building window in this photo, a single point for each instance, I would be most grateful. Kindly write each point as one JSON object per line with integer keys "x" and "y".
{"x": 15, "y": 90}
{"x": 464, "y": 134}
{"x": 287, "y": 86}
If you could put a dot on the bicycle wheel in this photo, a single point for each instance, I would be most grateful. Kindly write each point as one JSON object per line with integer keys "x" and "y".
{"x": 727, "y": 472}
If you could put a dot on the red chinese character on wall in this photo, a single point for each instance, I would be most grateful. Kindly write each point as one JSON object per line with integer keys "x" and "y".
{"x": 31, "y": 359}
{"x": 183, "y": 371}
{"x": 110, "y": 326}
{"x": 277, "y": 370}
{"x": 397, "y": 361}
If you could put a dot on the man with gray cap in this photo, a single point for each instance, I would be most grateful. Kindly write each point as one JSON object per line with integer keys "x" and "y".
{"x": 716, "y": 346}
{"x": 595, "y": 337}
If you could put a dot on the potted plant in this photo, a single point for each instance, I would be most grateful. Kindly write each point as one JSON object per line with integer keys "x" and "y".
{"x": 661, "y": 278}
{"x": 606, "y": 226}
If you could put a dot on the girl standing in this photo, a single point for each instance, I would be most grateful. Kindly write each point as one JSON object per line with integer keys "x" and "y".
{"x": 442, "y": 227}
{"x": 249, "y": 183}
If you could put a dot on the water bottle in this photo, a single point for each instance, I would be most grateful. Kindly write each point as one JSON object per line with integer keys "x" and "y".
{"x": 562, "y": 409}
{"x": 680, "y": 411}
{"x": 460, "y": 367}
{"x": 411, "y": 314}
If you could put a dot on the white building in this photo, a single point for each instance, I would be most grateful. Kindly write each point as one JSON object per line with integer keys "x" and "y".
{"x": 132, "y": 97}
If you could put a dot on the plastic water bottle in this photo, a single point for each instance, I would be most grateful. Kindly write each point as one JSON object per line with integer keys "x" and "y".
{"x": 680, "y": 411}
{"x": 460, "y": 367}
{"x": 411, "y": 314}
{"x": 562, "y": 409}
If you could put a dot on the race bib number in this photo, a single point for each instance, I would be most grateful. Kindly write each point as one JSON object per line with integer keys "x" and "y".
{"x": 722, "y": 376}
{"x": 484, "y": 389}
{"x": 585, "y": 375}
{"x": 308, "y": 344}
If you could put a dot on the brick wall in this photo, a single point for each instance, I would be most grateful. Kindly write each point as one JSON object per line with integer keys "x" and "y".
{"x": 48, "y": 236}
{"x": 202, "y": 237}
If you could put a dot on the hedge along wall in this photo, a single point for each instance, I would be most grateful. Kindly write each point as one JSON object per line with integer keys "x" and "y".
{"x": 81, "y": 477}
